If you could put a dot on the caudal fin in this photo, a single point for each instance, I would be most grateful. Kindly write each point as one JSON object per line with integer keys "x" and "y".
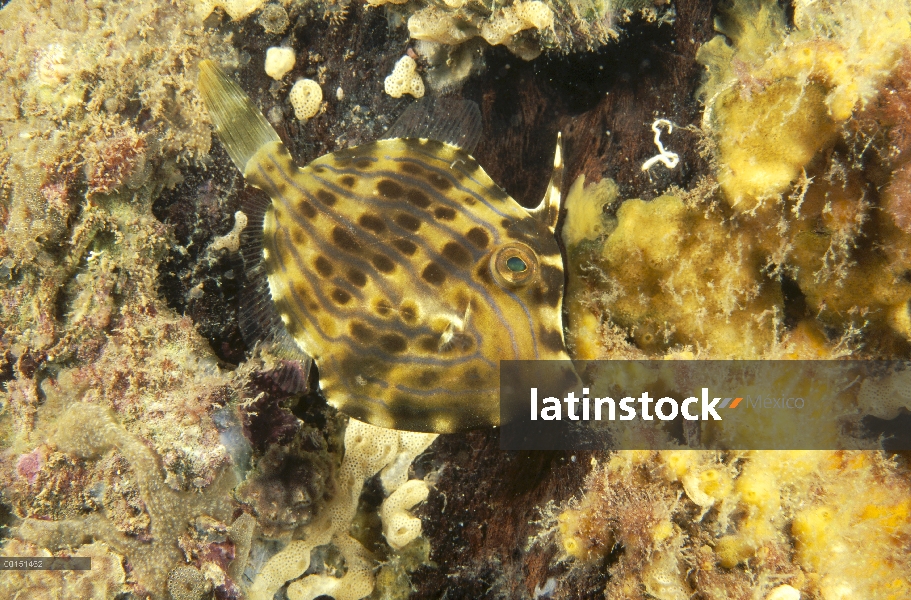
{"x": 243, "y": 130}
{"x": 240, "y": 126}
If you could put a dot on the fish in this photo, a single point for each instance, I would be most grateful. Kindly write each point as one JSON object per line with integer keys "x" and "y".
{"x": 398, "y": 266}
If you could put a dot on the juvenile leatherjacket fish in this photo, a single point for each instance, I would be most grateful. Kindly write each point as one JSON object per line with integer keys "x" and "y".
{"x": 398, "y": 266}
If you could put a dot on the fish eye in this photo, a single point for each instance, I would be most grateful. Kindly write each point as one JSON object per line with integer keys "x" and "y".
{"x": 514, "y": 265}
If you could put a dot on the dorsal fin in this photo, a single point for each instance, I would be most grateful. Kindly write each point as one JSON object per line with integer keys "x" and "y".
{"x": 451, "y": 120}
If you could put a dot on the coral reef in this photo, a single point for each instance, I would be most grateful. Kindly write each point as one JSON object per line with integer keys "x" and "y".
{"x": 368, "y": 450}
{"x": 88, "y": 433}
{"x": 779, "y": 97}
{"x": 82, "y": 249}
{"x": 236, "y": 9}
{"x": 289, "y": 480}
{"x": 400, "y": 528}
{"x": 741, "y": 525}
{"x": 783, "y": 253}
{"x": 525, "y": 27}
{"x": 104, "y": 580}
{"x": 136, "y": 427}
{"x": 452, "y": 34}
{"x": 441, "y": 25}
{"x": 659, "y": 256}
{"x": 803, "y": 259}
{"x": 99, "y": 117}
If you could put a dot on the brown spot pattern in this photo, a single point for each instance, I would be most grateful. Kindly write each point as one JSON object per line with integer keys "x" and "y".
{"x": 549, "y": 291}
{"x": 383, "y": 263}
{"x": 418, "y": 198}
{"x": 372, "y": 223}
{"x": 393, "y": 343}
{"x": 326, "y": 197}
{"x": 456, "y": 253}
{"x": 340, "y": 296}
{"x": 444, "y": 213}
{"x": 427, "y": 379}
{"x": 389, "y": 189}
{"x": 434, "y": 274}
{"x": 439, "y": 182}
{"x": 552, "y": 340}
{"x": 478, "y": 237}
{"x": 357, "y": 277}
{"x": 361, "y": 332}
{"x": 408, "y": 222}
{"x": 404, "y": 246}
{"x": 345, "y": 241}
{"x": 323, "y": 266}
{"x": 483, "y": 274}
{"x": 409, "y": 312}
{"x": 429, "y": 343}
{"x": 383, "y": 307}
{"x": 306, "y": 209}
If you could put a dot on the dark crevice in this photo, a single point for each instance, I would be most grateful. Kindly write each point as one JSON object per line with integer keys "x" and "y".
{"x": 795, "y": 303}
{"x": 196, "y": 284}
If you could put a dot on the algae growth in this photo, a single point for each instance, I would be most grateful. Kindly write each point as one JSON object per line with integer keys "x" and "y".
{"x": 138, "y": 427}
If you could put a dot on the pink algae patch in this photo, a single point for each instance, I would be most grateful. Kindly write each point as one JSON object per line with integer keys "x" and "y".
{"x": 29, "y": 465}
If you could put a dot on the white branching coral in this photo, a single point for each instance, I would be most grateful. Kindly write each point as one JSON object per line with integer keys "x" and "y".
{"x": 404, "y": 79}
{"x": 368, "y": 450}
{"x": 399, "y": 527}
